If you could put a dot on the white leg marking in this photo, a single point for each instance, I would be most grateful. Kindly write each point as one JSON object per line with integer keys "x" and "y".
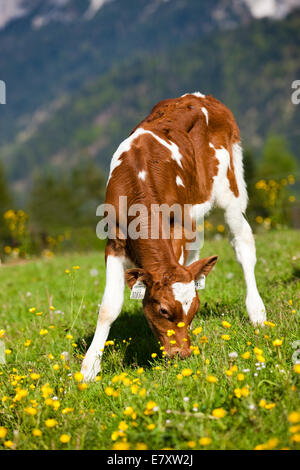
{"x": 110, "y": 308}
{"x": 244, "y": 245}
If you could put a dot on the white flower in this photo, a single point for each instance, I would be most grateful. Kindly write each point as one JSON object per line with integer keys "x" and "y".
{"x": 94, "y": 272}
{"x": 233, "y": 355}
{"x": 186, "y": 399}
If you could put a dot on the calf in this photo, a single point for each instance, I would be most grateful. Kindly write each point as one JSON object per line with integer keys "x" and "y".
{"x": 186, "y": 152}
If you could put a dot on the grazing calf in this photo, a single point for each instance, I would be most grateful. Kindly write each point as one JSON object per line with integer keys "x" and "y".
{"x": 186, "y": 152}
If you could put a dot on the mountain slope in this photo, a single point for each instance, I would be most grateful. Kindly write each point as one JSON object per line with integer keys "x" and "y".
{"x": 250, "y": 70}
{"x": 56, "y": 46}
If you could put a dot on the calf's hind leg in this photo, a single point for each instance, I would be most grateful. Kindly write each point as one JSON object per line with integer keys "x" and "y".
{"x": 244, "y": 246}
{"x": 110, "y": 308}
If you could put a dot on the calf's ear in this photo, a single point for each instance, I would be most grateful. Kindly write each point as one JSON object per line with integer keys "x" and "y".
{"x": 137, "y": 274}
{"x": 203, "y": 266}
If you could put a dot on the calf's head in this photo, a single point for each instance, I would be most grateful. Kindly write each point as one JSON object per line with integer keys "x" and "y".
{"x": 171, "y": 302}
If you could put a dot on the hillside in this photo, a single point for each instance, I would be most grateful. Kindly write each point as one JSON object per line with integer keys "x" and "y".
{"x": 50, "y": 48}
{"x": 250, "y": 69}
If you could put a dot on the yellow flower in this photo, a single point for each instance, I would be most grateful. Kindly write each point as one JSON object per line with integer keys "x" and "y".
{"x": 219, "y": 413}
{"x": 186, "y": 372}
{"x": 198, "y": 330}
{"x": 32, "y": 309}
{"x": 30, "y": 411}
{"x": 294, "y": 429}
{"x": 297, "y": 368}
{"x": 78, "y": 376}
{"x": 37, "y": 432}
{"x": 82, "y": 386}
{"x": 181, "y": 324}
{"x": 294, "y": 417}
{"x": 50, "y": 423}
{"x": 262, "y": 403}
{"x": 140, "y": 370}
{"x": 8, "y": 443}
{"x": 150, "y": 427}
{"x": 270, "y": 406}
{"x": 229, "y": 372}
{"x": 123, "y": 426}
{"x": 150, "y": 405}
{"x": 295, "y": 438}
{"x": 153, "y": 355}
{"x": 204, "y": 339}
{"x": 246, "y": 355}
{"x": 191, "y": 444}
{"x": 64, "y": 438}
{"x": 240, "y": 377}
{"x": 225, "y": 337}
{"x": 211, "y": 379}
{"x": 3, "y": 432}
{"x": 226, "y": 324}
{"x": 27, "y": 343}
{"x": 69, "y": 336}
{"x": 277, "y": 342}
{"x": 260, "y": 358}
{"x": 55, "y": 367}
{"x": 128, "y": 411}
{"x": 67, "y": 271}
{"x": 258, "y": 352}
{"x": 204, "y": 441}
{"x": 170, "y": 332}
{"x": 76, "y": 268}
{"x": 2, "y": 333}
{"x": 121, "y": 446}
{"x": 43, "y": 332}
{"x": 109, "y": 391}
{"x": 141, "y": 446}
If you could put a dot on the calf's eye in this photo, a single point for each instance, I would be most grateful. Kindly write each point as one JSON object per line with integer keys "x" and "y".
{"x": 164, "y": 312}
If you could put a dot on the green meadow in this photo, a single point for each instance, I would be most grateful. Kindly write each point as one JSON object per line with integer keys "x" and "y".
{"x": 238, "y": 390}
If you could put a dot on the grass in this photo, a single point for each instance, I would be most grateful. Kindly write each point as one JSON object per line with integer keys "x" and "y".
{"x": 181, "y": 412}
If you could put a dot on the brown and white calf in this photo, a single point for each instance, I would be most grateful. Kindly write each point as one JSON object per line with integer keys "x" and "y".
{"x": 186, "y": 151}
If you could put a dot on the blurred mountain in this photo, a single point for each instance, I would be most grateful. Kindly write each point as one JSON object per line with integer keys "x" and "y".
{"x": 250, "y": 69}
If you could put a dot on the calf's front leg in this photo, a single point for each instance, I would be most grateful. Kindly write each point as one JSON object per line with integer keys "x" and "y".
{"x": 110, "y": 308}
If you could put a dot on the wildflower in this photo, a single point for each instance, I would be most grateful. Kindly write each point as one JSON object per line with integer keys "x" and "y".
{"x": 32, "y": 309}
{"x": 295, "y": 438}
{"x": 226, "y": 324}
{"x": 153, "y": 355}
{"x": 121, "y": 446}
{"x": 294, "y": 429}
{"x": 246, "y": 355}
{"x": 3, "y": 432}
{"x": 69, "y": 336}
{"x": 64, "y": 438}
{"x": 30, "y": 411}
{"x": 219, "y": 413}
{"x": 50, "y": 423}
{"x": 150, "y": 405}
{"x": 141, "y": 446}
{"x": 294, "y": 417}
{"x": 43, "y": 332}
{"x": 78, "y": 376}
{"x": 46, "y": 390}
{"x": 240, "y": 377}
{"x": 67, "y": 271}
{"x": 191, "y": 444}
{"x": 297, "y": 368}
{"x": 37, "y": 432}
{"x": 2, "y": 333}
{"x": 7, "y": 351}
{"x": 76, "y": 268}
{"x": 109, "y": 391}
{"x": 204, "y": 339}
{"x": 56, "y": 367}
{"x": 211, "y": 379}
{"x": 204, "y": 441}
{"x": 198, "y": 330}
{"x": 225, "y": 337}
{"x": 277, "y": 342}
{"x": 270, "y": 406}
{"x": 8, "y": 444}
{"x": 181, "y": 324}
{"x": 82, "y": 386}
{"x": 170, "y": 332}
{"x": 128, "y": 411}
{"x": 186, "y": 372}
{"x": 150, "y": 427}
{"x": 233, "y": 355}
{"x": 140, "y": 370}
{"x": 27, "y": 343}
{"x": 123, "y": 426}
